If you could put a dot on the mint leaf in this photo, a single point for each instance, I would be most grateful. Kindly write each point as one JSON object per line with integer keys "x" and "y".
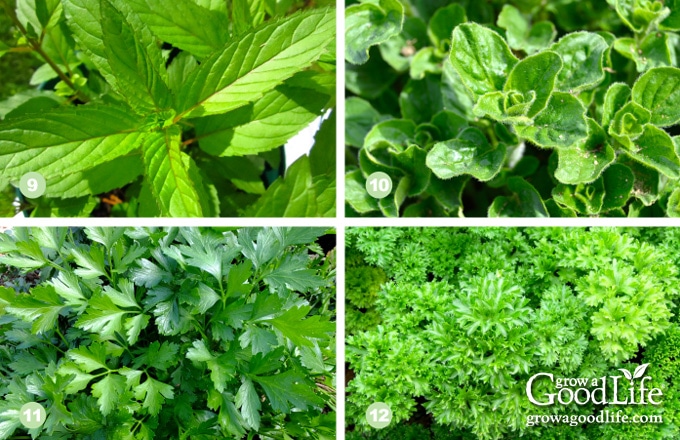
{"x": 57, "y": 142}
{"x": 176, "y": 24}
{"x": 296, "y": 194}
{"x": 248, "y": 71}
{"x": 169, "y": 178}
{"x": 135, "y": 61}
{"x": 284, "y": 111}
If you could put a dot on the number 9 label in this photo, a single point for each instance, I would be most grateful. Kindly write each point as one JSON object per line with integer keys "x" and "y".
{"x": 379, "y": 415}
{"x": 32, "y": 185}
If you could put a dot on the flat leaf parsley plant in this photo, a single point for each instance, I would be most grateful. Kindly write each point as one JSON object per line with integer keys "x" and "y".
{"x": 177, "y": 333}
{"x": 514, "y": 109}
{"x": 174, "y": 108}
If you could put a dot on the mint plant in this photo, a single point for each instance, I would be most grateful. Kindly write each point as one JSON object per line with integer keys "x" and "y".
{"x": 467, "y": 315}
{"x": 186, "y": 333}
{"x": 176, "y": 109}
{"x": 527, "y": 108}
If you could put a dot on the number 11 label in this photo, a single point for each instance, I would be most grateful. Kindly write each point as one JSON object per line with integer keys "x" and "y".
{"x": 32, "y": 415}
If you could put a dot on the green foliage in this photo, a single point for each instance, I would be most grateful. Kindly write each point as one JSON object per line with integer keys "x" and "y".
{"x": 129, "y": 104}
{"x": 460, "y": 333}
{"x": 519, "y": 109}
{"x": 141, "y": 333}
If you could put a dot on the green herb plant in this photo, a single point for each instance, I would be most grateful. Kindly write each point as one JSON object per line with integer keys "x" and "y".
{"x": 468, "y": 315}
{"x": 184, "y": 333}
{"x": 178, "y": 109}
{"x": 514, "y": 109}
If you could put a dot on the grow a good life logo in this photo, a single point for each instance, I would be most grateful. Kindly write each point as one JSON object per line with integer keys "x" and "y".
{"x": 605, "y": 390}
{"x": 597, "y": 390}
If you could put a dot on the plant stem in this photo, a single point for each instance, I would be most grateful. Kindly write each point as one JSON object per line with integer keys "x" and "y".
{"x": 61, "y": 336}
{"x": 37, "y": 47}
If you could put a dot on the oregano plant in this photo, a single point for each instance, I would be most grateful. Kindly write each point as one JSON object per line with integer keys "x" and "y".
{"x": 172, "y": 109}
{"x": 184, "y": 333}
{"x": 522, "y": 108}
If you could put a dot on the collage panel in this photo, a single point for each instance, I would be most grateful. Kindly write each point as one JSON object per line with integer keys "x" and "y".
{"x": 459, "y": 108}
{"x": 150, "y": 108}
{"x": 487, "y": 333}
{"x": 167, "y": 333}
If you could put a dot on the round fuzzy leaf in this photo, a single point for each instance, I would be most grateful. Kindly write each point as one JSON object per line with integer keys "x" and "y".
{"x": 583, "y": 57}
{"x": 369, "y": 24}
{"x": 525, "y": 201}
{"x": 421, "y": 99}
{"x": 398, "y": 51}
{"x": 470, "y": 154}
{"x": 356, "y": 195}
{"x": 561, "y": 124}
{"x": 658, "y": 90}
{"x": 396, "y": 131}
{"x": 481, "y": 57}
{"x": 655, "y": 148}
{"x": 360, "y": 116}
{"x": 522, "y": 36}
{"x": 629, "y": 123}
{"x": 443, "y": 21}
{"x": 616, "y": 97}
{"x": 652, "y": 51}
{"x": 586, "y": 199}
{"x": 425, "y": 61}
{"x": 646, "y": 181}
{"x": 585, "y": 162}
{"x": 493, "y": 106}
{"x": 673, "y": 206}
{"x": 412, "y": 162}
{"x": 618, "y": 184}
{"x": 672, "y": 22}
{"x": 535, "y": 73}
{"x": 449, "y": 124}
